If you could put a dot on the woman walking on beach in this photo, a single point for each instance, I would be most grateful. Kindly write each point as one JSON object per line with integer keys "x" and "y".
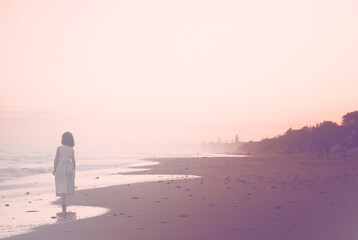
{"x": 64, "y": 168}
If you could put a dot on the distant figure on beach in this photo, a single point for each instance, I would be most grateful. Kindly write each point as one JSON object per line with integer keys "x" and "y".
{"x": 64, "y": 169}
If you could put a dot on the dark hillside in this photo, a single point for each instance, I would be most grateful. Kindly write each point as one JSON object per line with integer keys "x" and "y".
{"x": 324, "y": 138}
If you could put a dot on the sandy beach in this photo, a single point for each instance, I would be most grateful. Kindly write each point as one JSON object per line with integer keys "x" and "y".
{"x": 246, "y": 198}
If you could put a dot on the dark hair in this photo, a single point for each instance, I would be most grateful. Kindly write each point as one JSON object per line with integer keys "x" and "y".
{"x": 67, "y": 139}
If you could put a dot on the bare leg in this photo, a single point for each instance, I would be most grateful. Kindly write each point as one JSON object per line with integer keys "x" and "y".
{"x": 63, "y": 201}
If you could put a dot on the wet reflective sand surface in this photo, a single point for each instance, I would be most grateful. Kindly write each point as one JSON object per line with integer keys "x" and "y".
{"x": 20, "y": 218}
{"x": 26, "y": 203}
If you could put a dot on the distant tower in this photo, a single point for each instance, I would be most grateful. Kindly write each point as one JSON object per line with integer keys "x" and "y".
{"x": 237, "y": 139}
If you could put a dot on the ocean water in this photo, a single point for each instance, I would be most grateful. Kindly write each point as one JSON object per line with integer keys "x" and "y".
{"x": 27, "y": 188}
{"x": 15, "y": 165}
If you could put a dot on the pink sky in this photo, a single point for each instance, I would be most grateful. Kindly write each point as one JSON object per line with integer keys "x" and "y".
{"x": 120, "y": 74}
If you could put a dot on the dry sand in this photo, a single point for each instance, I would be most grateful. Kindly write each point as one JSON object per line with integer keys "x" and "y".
{"x": 236, "y": 198}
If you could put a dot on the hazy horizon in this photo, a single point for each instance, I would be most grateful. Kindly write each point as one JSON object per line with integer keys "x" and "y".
{"x": 123, "y": 75}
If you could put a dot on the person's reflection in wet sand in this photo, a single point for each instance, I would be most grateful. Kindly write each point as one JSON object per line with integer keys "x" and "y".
{"x": 63, "y": 217}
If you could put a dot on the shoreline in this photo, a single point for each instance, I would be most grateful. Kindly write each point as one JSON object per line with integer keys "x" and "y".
{"x": 33, "y": 202}
{"x": 235, "y": 198}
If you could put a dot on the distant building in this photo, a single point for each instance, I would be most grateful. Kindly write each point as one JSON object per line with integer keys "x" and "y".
{"x": 226, "y": 147}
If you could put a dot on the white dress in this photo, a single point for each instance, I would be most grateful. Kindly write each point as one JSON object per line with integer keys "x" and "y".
{"x": 65, "y": 172}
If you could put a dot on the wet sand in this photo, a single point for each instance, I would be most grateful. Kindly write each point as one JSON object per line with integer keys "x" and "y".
{"x": 26, "y": 202}
{"x": 235, "y": 198}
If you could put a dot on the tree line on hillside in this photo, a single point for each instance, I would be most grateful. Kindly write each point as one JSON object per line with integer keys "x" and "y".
{"x": 324, "y": 138}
